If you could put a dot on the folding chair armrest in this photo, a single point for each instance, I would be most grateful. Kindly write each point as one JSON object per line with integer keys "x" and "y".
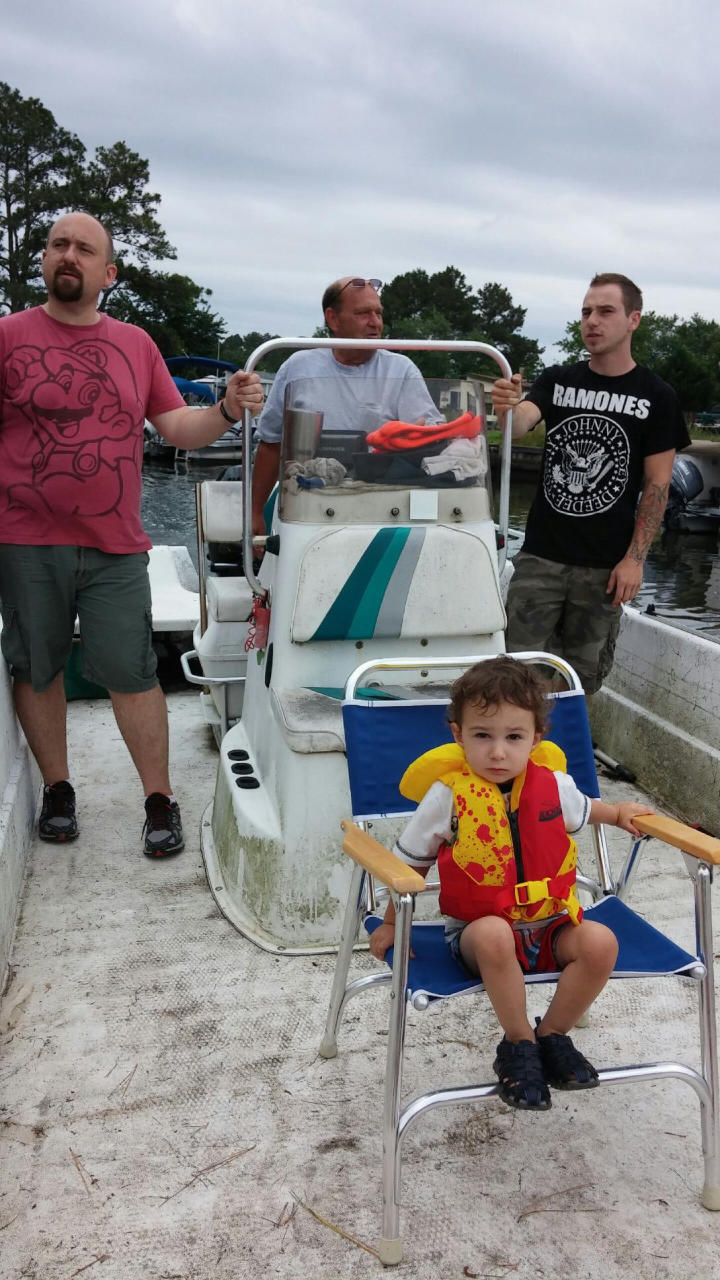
{"x": 704, "y": 847}
{"x": 379, "y": 861}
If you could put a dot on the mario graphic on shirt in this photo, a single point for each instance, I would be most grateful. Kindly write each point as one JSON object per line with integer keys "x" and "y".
{"x": 85, "y": 438}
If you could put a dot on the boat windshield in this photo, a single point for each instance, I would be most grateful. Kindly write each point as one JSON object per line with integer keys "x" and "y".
{"x": 354, "y": 433}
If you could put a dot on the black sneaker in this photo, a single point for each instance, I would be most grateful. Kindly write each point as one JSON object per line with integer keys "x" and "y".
{"x": 163, "y": 827}
{"x": 57, "y": 816}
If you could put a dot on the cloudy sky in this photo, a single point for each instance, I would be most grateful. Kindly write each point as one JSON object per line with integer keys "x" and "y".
{"x": 532, "y": 142}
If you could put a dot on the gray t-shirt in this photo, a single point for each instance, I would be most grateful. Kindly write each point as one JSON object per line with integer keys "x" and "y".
{"x": 358, "y": 397}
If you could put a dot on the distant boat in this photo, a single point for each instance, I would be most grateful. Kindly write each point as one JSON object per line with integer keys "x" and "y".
{"x": 694, "y": 501}
{"x": 197, "y": 393}
{"x": 204, "y": 390}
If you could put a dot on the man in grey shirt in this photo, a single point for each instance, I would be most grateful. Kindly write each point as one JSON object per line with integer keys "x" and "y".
{"x": 356, "y": 390}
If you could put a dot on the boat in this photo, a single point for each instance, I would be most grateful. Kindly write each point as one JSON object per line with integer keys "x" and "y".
{"x": 694, "y": 498}
{"x": 658, "y": 714}
{"x": 198, "y": 393}
{"x": 371, "y": 560}
{"x": 164, "y": 1111}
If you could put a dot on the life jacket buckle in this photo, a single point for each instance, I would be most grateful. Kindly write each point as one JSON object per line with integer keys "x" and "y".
{"x": 529, "y": 892}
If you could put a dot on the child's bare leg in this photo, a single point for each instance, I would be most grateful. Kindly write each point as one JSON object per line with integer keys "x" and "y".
{"x": 488, "y": 948}
{"x": 586, "y": 953}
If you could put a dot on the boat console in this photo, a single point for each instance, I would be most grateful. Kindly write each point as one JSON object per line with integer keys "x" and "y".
{"x": 373, "y": 551}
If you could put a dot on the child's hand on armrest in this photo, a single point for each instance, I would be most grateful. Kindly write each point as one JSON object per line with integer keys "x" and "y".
{"x": 618, "y": 815}
{"x": 628, "y": 810}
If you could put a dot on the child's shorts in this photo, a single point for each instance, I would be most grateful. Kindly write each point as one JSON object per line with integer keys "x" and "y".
{"x": 534, "y": 945}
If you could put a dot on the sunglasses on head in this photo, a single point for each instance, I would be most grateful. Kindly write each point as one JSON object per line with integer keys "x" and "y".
{"x": 357, "y": 283}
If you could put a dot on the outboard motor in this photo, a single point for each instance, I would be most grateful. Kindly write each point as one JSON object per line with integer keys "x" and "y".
{"x": 686, "y": 482}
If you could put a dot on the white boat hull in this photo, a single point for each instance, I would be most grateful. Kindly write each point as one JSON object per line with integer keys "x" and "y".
{"x": 272, "y": 853}
{"x": 19, "y": 792}
{"x": 658, "y": 714}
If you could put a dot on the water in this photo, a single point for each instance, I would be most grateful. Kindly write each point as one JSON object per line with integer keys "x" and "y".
{"x": 168, "y": 502}
{"x": 682, "y": 577}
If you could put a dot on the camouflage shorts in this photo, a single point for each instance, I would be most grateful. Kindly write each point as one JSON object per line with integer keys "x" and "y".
{"x": 563, "y": 609}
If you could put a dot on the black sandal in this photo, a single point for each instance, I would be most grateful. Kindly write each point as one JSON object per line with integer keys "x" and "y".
{"x": 520, "y": 1072}
{"x": 565, "y": 1066}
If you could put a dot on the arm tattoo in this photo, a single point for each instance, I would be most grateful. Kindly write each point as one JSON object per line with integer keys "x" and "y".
{"x": 651, "y": 509}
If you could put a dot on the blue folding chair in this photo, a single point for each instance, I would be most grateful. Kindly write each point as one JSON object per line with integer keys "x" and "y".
{"x": 382, "y": 737}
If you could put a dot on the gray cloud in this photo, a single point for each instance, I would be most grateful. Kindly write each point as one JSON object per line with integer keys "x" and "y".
{"x": 531, "y": 144}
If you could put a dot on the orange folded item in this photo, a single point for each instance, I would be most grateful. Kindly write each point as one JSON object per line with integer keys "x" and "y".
{"x": 392, "y": 436}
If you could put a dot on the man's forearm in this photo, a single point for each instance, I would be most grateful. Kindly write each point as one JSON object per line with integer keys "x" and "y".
{"x": 192, "y": 428}
{"x": 525, "y": 417}
{"x": 266, "y": 468}
{"x": 188, "y": 428}
{"x": 648, "y": 520}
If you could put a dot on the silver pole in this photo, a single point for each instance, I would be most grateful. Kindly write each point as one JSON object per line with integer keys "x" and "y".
{"x": 390, "y": 1246}
{"x": 708, "y": 1035}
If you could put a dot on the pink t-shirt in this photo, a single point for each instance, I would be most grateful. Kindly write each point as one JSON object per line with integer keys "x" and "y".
{"x": 73, "y": 403}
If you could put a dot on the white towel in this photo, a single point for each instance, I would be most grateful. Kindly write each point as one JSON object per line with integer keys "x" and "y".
{"x": 465, "y": 458}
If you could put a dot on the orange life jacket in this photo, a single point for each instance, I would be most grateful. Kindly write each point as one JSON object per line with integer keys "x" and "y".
{"x": 520, "y": 863}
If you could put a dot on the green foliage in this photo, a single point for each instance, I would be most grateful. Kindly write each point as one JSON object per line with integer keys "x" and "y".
{"x": 443, "y": 306}
{"x": 500, "y": 320}
{"x": 44, "y": 172}
{"x": 686, "y": 353}
{"x": 39, "y": 165}
{"x": 237, "y": 347}
{"x": 112, "y": 187}
{"x": 414, "y": 296}
{"x": 171, "y": 308}
{"x": 433, "y": 364}
{"x": 534, "y": 439}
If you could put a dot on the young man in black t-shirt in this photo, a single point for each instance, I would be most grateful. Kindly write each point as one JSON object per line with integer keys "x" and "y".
{"x": 612, "y": 430}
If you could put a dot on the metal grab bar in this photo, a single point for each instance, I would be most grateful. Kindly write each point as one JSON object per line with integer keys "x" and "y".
{"x": 208, "y": 682}
{"x": 372, "y": 344}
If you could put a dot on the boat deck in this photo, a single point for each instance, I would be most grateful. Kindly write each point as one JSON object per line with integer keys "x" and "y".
{"x": 164, "y": 1113}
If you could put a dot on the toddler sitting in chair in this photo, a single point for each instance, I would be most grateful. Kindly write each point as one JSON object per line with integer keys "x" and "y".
{"x": 496, "y": 811}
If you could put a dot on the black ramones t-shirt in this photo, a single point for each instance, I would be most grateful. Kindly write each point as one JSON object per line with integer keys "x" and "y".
{"x": 599, "y": 430}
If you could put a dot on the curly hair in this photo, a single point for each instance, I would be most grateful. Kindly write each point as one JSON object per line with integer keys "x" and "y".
{"x": 501, "y": 679}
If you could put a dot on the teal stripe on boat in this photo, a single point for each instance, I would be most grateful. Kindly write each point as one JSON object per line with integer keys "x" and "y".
{"x": 340, "y": 617}
{"x": 368, "y": 608}
{"x": 392, "y": 611}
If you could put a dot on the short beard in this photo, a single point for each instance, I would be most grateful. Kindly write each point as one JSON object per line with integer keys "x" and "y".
{"x": 68, "y": 289}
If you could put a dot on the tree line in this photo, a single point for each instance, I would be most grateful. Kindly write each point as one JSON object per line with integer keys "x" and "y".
{"x": 45, "y": 170}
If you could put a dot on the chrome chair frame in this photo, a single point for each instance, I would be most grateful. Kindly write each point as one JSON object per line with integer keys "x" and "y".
{"x": 700, "y": 854}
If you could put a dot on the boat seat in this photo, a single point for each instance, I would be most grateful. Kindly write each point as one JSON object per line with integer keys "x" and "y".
{"x": 358, "y": 583}
{"x": 228, "y": 599}
{"x": 309, "y": 721}
{"x": 221, "y": 509}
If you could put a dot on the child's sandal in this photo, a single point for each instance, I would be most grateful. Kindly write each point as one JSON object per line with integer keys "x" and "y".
{"x": 520, "y": 1072}
{"x": 565, "y": 1066}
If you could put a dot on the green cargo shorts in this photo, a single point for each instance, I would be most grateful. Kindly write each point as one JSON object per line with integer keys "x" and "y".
{"x": 44, "y": 589}
{"x": 563, "y": 609}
